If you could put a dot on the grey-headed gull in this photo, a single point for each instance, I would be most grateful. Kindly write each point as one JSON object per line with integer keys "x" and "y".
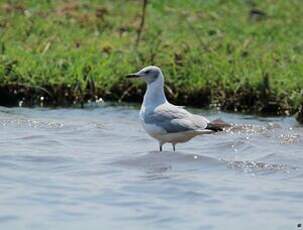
{"x": 164, "y": 121}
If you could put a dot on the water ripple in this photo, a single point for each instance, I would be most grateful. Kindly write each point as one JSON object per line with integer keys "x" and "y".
{"x": 86, "y": 168}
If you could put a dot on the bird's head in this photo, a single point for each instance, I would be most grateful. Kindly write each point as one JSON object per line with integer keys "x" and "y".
{"x": 149, "y": 74}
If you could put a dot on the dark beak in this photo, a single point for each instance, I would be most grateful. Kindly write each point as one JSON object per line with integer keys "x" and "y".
{"x": 133, "y": 75}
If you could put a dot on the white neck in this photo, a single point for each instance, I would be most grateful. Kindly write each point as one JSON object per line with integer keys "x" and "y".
{"x": 154, "y": 94}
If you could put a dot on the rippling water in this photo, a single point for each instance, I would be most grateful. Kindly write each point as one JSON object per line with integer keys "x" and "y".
{"x": 96, "y": 168}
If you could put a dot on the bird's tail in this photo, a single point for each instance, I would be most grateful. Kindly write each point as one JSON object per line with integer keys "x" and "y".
{"x": 217, "y": 125}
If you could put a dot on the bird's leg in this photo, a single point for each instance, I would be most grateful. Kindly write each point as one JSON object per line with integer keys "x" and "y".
{"x": 174, "y": 147}
{"x": 160, "y": 146}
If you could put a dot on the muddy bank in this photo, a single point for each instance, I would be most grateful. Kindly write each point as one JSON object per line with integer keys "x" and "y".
{"x": 243, "y": 100}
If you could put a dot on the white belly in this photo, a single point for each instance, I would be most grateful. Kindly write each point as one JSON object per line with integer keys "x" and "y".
{"x": 162, "y": 136}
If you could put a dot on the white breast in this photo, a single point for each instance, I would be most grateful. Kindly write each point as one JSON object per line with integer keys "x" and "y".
{"x": 161, "y": 135}
{"x": 153, "y": 130}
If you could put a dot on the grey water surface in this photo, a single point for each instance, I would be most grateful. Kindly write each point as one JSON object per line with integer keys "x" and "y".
{"x": 96, "y": 168}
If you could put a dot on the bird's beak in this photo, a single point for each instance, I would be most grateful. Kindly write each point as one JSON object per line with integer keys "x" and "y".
{"x": 133, "y": 75}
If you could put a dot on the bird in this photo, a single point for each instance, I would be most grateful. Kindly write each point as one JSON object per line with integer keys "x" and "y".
{"x": 165, "y": 122}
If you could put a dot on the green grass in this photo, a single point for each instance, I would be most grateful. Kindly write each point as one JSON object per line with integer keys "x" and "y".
{"x": 212, "y": 52}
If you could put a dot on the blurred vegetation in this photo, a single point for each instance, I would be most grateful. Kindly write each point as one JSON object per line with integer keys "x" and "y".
{"x": 240, "y": 55}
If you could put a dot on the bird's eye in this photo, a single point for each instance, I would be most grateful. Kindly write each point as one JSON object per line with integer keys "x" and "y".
{"x": 147, "y": 72}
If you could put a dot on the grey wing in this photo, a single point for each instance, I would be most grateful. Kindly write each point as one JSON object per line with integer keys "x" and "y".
{"x": 175, "y": 119}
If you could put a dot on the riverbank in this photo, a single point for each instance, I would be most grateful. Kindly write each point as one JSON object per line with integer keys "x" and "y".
{"x": 237, "y": 55}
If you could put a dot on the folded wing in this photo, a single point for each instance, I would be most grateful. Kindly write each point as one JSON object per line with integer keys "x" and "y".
{"x": 174, "y": 119}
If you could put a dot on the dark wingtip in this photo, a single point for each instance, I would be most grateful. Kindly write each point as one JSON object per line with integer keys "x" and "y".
{"x": 217, "y": 125}
{"x": 213, "y": 127}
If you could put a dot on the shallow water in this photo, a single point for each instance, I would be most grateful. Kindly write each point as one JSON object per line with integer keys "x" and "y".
{"x": 95, "y": 168}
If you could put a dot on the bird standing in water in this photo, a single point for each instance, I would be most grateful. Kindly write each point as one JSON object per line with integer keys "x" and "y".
{"x": 164, "y": 121}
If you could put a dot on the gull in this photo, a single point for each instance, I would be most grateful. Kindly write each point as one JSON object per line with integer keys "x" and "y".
{"x": 164, "y": 121}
